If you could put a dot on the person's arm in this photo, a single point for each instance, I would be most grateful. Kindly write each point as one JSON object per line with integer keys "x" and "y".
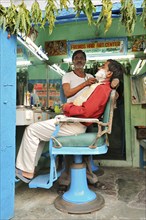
{"x": 69, "y": 92}
{"x": 93, "y": 107}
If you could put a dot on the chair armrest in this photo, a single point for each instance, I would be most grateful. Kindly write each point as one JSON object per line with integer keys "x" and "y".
{"x": 64, "y": 119}
{"x": 61, "y": 119}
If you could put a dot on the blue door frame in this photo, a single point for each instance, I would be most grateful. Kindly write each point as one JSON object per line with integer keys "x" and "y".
{"x": 7, "y": 124}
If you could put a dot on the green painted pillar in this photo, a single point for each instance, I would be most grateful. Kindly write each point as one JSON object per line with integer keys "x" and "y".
{"x": 7, "y": 124}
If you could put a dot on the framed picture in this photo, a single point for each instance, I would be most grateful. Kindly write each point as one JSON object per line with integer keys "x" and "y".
{"x": 136, "y": 43}
{"x": 56, "y": 48}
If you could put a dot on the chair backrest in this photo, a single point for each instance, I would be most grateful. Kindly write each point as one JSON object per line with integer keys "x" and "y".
{"x": 109, "y": 110}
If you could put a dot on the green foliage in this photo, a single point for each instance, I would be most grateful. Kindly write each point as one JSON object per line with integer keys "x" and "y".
{"x": 88, "y": 10}
{"x": 143, "y": 16}
{"x": 36, "y": 13}
{"x": 11, "y": 18}
{"x": 87, "y": 7}
{"x": 3, "y": 13}
{"x": 128, "y": 15}
{"x": 23, "y": 23}
{"x": 78, "y": 6}
{"x": 50, "y": 14}
{"x": 63, "y": 4}
{"x": 16, "y": 19}
{"x": 106, "y": 14}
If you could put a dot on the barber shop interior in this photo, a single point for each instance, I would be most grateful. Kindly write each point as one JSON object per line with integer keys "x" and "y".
{"x": 73, "y": 109}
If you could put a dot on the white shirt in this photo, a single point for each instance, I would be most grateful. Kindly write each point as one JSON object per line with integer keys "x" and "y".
{"x": 74, "y": 81}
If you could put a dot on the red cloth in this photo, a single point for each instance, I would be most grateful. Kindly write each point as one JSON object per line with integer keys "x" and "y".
{"x": 93, "y": 107}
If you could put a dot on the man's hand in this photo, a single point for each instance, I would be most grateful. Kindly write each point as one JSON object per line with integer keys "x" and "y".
{"x": 63, "y": 106}
{"x": 90, "y": 81}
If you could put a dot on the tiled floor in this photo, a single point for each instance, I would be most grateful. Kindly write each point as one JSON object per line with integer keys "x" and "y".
{"x": 125, "y": 198}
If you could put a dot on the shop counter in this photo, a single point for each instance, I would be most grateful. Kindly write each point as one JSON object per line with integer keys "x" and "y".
{"x": 26, "y": 116}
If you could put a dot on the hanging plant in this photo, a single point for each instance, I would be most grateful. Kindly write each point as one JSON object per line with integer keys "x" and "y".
{"x": 23, "y": 23}
{"x": 143, "y": 16}
{"x": 18, "y": 19}
{"x": 128, "y": 15}
{"x": 87, "y": 7}
{"x": 11, "y": 18}
{"x": 50, "y": 15}
{"x": 36, "y": 13}
{"x": 63, "y": 4}
{"x": 78, "y": 6}
{"x": 3, "y": 13}
{"x": 105, "y": 14}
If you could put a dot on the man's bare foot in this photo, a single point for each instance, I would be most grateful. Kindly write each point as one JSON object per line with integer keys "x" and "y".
{"x": 24, "y": 176}
{"x": 27, "y": 175}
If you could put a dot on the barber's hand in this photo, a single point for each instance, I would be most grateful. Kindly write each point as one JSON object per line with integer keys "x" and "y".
{"x": 63, "y": 106}
{"x": 90, "y": 81}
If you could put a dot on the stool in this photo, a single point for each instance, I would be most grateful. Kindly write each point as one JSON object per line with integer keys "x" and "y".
{"x": 142, "y": 148}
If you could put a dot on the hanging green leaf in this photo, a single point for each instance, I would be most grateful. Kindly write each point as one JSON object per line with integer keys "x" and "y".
{"x": 78, "y": 7}
{"x": 106, "y": 14}
{"x": 89, "y": 9}
{"x": 85, "y": 6}
{"x": 3, "y": 13}
{"x": 50, "y": 14}
{"x": 143, "y": 16}
{"x": 63, "y": 4}
{"x": 23, "y": 23}
{"x": 18, "y": 19}
{"x": 36, "y": 13}
{"x": 11, "y": 18}
{"x": 128, "y": 15}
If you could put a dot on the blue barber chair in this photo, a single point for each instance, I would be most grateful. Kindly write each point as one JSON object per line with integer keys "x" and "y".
{"x": 79, "y": 198}
{"x": 64, "y": 100}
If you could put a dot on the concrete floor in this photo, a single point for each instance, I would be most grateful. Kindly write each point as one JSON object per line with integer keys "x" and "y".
{"x": 125, "y": 198}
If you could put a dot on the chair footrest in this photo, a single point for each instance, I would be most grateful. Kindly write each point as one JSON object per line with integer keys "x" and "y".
{"x": 44, "y": 180}
{"x": 41, "y": 181}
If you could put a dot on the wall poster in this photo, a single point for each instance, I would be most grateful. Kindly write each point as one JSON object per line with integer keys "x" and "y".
{"x": 136, "y": 43}
{"x": 56, "y": 48}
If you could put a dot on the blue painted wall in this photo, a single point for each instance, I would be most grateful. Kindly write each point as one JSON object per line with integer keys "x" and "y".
{"x": 7, "y": 124}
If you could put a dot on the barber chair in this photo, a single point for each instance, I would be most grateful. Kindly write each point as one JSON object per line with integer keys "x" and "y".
{"x": 79, "y": 198}
{"x": 94, "y": 167}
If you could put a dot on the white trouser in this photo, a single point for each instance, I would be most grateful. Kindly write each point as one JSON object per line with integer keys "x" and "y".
{"x": 34, "y": 138}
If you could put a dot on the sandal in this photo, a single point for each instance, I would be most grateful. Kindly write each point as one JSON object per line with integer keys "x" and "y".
{"x": 62, "y": 189}
{"x": 100, "y": 185}
{"x": 99, "y": 172}
{"x": 21, "y": 177}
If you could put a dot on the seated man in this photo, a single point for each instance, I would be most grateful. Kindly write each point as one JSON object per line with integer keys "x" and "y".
{"x": 37, "y": 133}
{"x": 101, "y": 79}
